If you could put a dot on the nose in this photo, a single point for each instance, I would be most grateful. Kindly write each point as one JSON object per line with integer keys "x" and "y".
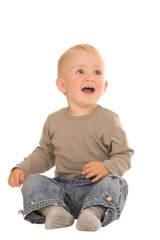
{"x": 89, "y": 77}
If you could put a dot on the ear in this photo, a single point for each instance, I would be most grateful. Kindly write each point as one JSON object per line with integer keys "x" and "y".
{"x": 61, "y": 85}
{"x": 105, "y": 86}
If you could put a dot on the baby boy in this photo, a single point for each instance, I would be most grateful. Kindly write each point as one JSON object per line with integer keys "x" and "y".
{"x": 88, "y": 147}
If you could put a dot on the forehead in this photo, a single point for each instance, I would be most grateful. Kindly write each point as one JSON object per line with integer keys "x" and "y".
{"x": 82, "y": 57}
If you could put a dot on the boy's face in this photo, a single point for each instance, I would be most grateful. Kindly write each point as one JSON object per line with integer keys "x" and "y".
{"x": 83, "y": 80}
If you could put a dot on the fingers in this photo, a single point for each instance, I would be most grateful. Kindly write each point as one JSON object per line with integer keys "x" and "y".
{"x": 90, "y": 171}
{"x": 97, "y": 178}
{"x": 13, "y": 181}
{"x": 96, "y": 169}
{"x": 88, "y": 165}
{"x": 16, "y": 179}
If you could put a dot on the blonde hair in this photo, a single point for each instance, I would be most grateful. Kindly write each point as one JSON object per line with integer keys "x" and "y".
{"x": 85, "y": 47}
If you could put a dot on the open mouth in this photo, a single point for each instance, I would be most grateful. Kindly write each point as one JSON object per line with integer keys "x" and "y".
{"x": 88, "y": 90}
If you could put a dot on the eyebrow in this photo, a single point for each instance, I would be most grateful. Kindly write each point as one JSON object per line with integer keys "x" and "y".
{"x": 82, "y": 65}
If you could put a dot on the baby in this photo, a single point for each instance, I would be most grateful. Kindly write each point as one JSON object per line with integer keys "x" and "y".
{"x": 88, "y": 147}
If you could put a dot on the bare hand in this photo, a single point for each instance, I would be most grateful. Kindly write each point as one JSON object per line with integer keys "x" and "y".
{"x": 95, "y": 169}
{"x": 16, "y": 178}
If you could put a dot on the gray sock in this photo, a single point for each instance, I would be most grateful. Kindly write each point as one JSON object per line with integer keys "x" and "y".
{"x": 57, "y": 217}
{"x": 90, "y": 219}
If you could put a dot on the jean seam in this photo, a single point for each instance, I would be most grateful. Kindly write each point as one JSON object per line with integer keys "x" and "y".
{"x": 41, "y": 190}
{"x": 42, "y": 204}
{"x": 74, "y": 197}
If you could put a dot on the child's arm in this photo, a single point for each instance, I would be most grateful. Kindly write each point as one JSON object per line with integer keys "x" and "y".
{"x": 40, "y": 160}
{"x": 16, "y": 178}
{"x": 118, "y": 154}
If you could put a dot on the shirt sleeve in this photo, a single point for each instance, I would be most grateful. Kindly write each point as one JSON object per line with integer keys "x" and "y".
{"x": 42, "y": 158}
{"x": 118, "y": 150}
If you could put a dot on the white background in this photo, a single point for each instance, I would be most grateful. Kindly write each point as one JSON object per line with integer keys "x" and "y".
{"x": 33, "y": 34}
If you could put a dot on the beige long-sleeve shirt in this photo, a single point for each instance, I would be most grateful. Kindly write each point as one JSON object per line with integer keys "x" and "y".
{"x": 69, "y": 143}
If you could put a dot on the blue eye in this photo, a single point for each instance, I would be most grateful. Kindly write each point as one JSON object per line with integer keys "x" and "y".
{"x": 97, "y": 72}
{"x": 80, "y": 71}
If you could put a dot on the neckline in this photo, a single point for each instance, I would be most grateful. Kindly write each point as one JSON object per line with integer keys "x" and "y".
{"x": 76, "y": 118}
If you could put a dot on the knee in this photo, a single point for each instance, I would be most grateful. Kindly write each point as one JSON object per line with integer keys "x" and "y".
{"x": 31, "y": 182}
{"x": 114, "y": 183}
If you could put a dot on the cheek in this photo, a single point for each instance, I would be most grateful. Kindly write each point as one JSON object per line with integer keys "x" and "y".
{"x": 100, "y": 86}
{"x": 73, "y": 88}
{"x": 75, "y": 85}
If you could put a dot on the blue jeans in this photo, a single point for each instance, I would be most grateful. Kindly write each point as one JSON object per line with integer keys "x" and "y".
{"x": 74, "y": 195}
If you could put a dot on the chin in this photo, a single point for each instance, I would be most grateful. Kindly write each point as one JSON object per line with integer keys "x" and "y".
{"x": 89, "y": 105}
